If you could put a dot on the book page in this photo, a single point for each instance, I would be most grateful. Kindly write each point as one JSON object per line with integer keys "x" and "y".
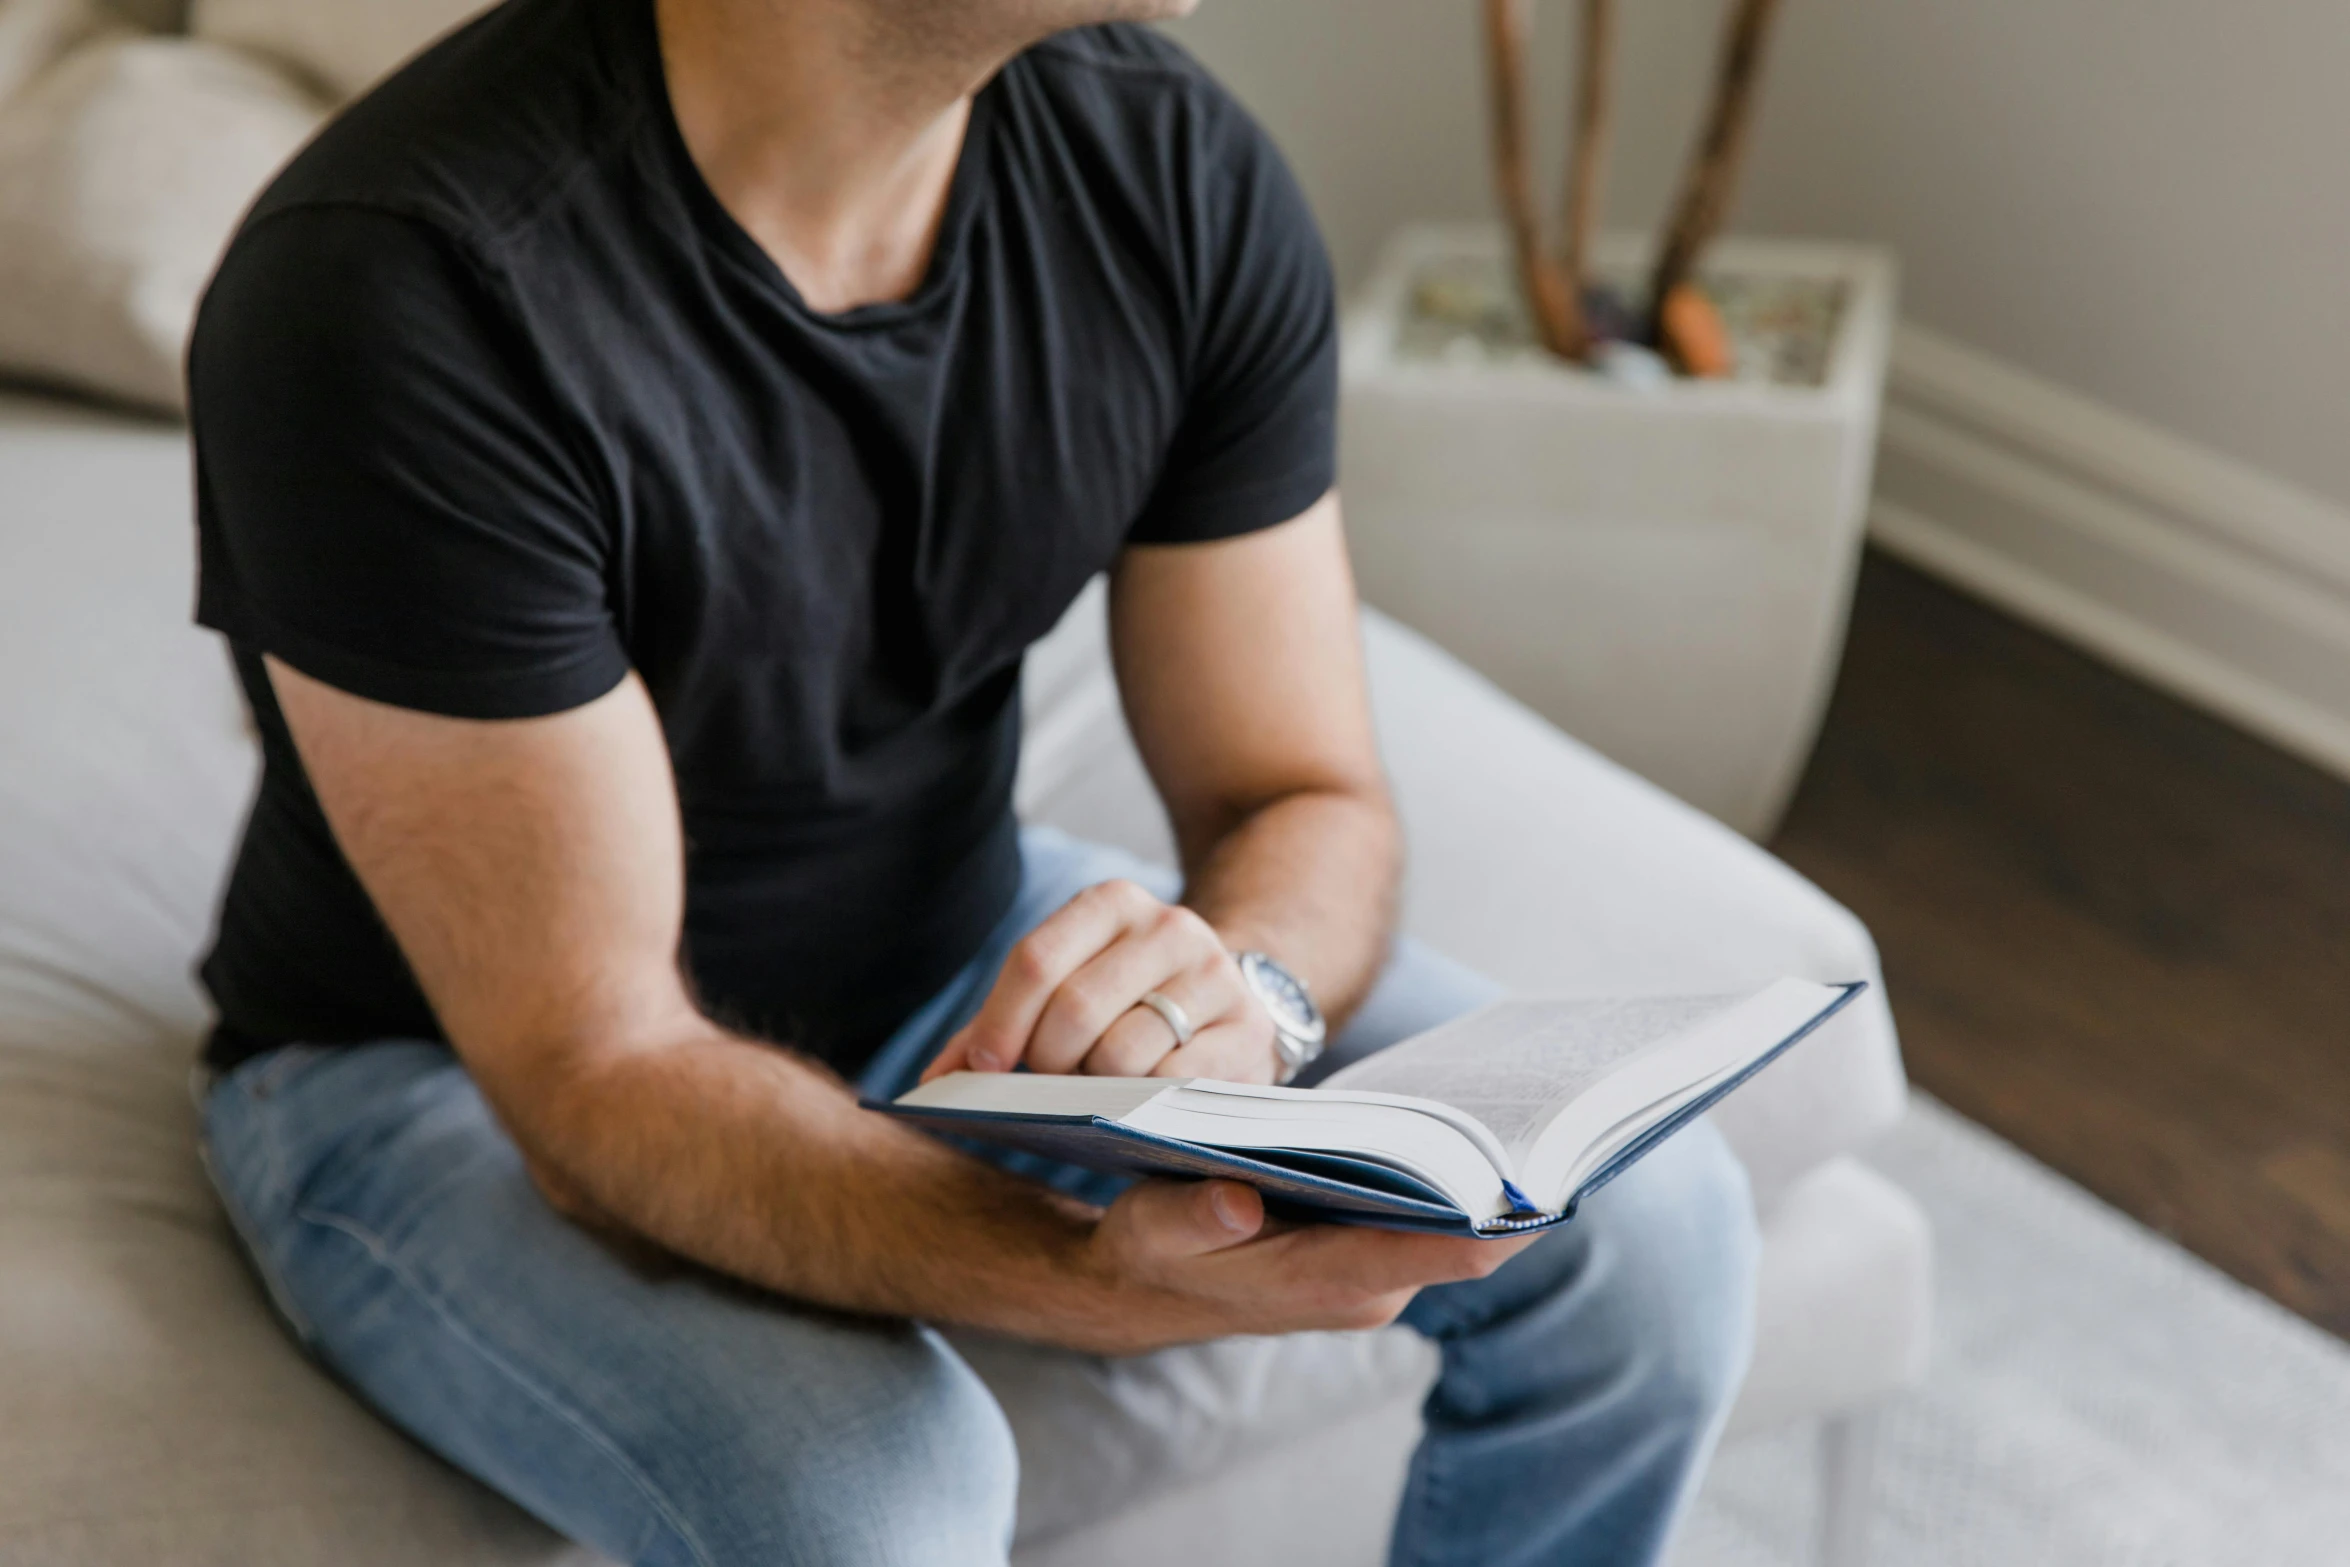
{"x": 1646, "y": 1090}
{"x": 1515, "y": 1064}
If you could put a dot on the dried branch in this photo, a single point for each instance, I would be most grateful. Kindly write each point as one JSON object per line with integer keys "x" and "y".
{"x": 1712, "y": 176}
{"x": 1588, "y": 152}
{"x": 1554, "y": 302}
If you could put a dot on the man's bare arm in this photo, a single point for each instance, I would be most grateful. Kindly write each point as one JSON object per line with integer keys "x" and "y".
{"x": 532, "y": 872}
{"x": 1241, "y": 668}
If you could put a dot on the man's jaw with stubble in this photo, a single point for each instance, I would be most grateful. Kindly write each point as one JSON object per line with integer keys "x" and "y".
{"x": 1058, "y": 14}
{"x": 1000, "y": 28}
{"x": 1036, "y": 18}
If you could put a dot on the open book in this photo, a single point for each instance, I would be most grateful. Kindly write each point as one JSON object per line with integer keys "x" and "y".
{"x": 1495, "y": 1123}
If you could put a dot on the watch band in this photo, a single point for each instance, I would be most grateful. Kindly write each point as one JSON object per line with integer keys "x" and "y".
{"x": 1299, "y": 1033}
{"x": 1293, "y": 1054}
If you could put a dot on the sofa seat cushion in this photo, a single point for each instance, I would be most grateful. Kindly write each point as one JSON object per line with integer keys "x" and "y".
{"x": 1844, "y": 1304}
{"x": 1098, "y": 1437}
{"x": 157, "y": 1412}
{"x": 125, "y": 757}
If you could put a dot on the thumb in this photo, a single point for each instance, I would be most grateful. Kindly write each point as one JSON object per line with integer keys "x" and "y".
{"x": 1191, "y": 1218}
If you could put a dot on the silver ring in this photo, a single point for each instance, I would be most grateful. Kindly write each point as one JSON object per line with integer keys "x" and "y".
{"x": 1170, "y": 1014}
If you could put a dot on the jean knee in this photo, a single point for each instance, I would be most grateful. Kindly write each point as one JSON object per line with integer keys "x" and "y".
{"x": 972, "y": 1435}
{"x": 954, "y": 1439}
{"x": 917, "y": 1466}
{"x": 1715, "y": 1269}
{"x": 1683, "y": 1227}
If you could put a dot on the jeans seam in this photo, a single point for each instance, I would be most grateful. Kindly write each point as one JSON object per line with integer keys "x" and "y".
{"x": 380, "y": 1250}
{"x": 1419, "y": 1500}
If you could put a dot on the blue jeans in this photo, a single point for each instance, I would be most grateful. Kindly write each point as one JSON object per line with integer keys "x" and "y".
{"x": 668, "y": 1416}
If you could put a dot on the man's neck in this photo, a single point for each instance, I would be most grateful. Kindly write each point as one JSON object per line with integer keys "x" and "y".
{"x": 829, "y": 133}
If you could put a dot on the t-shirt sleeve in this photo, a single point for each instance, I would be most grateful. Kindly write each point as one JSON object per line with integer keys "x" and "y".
{"x": 387, "y": 496}
{"x": 1257, "y": 442}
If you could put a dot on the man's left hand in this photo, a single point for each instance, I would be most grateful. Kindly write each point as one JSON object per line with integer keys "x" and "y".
{"x": 1069, "y": 998}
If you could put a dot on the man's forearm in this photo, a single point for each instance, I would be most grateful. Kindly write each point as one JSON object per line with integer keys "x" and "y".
{"x": 1310, "y": 878}
{"x": 742, "y": 1158}
{"x": 748, "y": 1160}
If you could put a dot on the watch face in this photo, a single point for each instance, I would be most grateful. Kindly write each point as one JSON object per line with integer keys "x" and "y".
{"x": 1293, "y": 1010}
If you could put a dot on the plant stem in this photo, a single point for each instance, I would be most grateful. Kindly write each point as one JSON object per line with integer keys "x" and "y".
{"x": 1587, "y": 154}
{"x": 1712, "y": 175}
{"x": 1557, "y": 311}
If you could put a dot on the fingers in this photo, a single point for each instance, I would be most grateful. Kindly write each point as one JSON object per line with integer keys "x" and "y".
{"x": 996, "y": 1039}
{"x": 1164, "y": 1222}
{"x": 1174, "y": 953}
{"x": 1378, "y": 1262}
{"x": 1336, "y": 1262}
{"x": 1066, "y": 998}
{"x": 1237, "y": 1049}
{"x": 1138, "y": 1041}
{"x": 1213, "y": 1265}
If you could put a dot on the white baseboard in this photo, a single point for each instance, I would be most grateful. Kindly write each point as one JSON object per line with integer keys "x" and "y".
{"x": 2199, "y": 575}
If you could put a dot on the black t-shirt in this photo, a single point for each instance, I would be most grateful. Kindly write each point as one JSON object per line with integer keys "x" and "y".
{"x": 493, "y": 403}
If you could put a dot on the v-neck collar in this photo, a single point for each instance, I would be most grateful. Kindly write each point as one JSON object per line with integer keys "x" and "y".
{"x": 966, "y": 193}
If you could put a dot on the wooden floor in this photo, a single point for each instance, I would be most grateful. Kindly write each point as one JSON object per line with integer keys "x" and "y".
{"x": 2115, "y": 931}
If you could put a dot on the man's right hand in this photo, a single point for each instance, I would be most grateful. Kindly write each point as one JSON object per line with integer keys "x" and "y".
{"x": 1185, "y": 1261}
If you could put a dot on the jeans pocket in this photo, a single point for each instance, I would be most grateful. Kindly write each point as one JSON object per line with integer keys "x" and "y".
{"x": 253, "y": 1242}
{"x": 241, "y": 1148}
{"x": 265, "y": 1077}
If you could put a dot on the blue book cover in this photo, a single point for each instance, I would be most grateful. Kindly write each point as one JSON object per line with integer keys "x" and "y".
{"x": 1332, "y": 1185}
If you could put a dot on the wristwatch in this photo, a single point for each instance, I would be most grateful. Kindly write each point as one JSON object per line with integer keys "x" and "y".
{"x": 1299, "y": 1033}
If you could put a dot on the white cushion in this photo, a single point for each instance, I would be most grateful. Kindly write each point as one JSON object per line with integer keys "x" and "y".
{"x": 125, "y": 756}
{"x": 1325, "y": 1499}
{"x": 1844, "y": 1301}
{"x": 344, "y": 46}
{"x": 1099, "y": 1436}
{"x": 123, "y": 170}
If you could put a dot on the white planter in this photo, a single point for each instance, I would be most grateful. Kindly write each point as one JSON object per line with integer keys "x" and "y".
{"x": 1663, "y": 572}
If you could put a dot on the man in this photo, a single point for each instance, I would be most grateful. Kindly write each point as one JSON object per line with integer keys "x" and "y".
{"x": 635, "y": 446}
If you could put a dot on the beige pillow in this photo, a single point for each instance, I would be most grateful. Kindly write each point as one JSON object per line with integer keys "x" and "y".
{"x": 346, "y": 46}
{"x": 123, "y": 171}
{"x": 154, "y": 16}
{"x": 35, "y": 32}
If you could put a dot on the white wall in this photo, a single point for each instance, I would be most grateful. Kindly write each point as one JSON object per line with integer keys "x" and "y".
{"x": 2143, "y": 200}
{"x": 1381, "y": 103}
{"x": 2121, "y": 405}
